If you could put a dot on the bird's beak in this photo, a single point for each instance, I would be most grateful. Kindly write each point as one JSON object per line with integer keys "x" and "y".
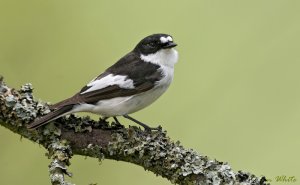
{"x": 169, "y": 45}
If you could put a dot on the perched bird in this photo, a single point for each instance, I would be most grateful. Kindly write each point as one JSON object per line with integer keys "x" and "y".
{"x": 131, "y": 84}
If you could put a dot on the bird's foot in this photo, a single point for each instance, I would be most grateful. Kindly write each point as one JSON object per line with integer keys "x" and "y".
{"x": 103, "y": 119}
{"x": 117, "y": 123}
{"x": 146, "y": 127}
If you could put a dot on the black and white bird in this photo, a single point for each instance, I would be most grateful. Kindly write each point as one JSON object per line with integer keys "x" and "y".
{"x": 131, "y": 84}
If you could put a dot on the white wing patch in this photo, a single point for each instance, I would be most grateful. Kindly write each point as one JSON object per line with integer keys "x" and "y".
{"x": 166, "y": 39}
{"x": 109, "y": 80}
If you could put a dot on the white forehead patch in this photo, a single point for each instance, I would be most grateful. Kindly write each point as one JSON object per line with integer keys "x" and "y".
{"x": 166, "y": 39}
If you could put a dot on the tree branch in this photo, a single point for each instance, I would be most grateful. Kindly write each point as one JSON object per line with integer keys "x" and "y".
{"x": 153, "y": 151}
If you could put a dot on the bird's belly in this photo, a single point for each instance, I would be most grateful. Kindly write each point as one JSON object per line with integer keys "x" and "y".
{"x": 122, "y": 105}
{"x": 126, "y": 105}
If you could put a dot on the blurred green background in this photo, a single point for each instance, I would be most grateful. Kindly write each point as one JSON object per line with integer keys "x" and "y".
{"x": 235, "y": 96}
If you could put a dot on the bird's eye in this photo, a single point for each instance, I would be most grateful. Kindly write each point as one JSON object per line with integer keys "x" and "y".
{"x": 151, "y": 44}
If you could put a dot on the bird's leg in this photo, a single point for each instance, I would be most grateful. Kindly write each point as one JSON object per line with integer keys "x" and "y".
{"x": 146, "y": 127}
{"x": 104, "y": 119}
{"x": 117, "y": 121}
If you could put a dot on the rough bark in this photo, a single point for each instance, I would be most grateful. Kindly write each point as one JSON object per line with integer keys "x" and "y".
{"x": 153, "y": 151}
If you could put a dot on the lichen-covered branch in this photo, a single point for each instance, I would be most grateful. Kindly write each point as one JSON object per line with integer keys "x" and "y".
{"x": 61, "y": 153}
{"x": 153, "y": 151}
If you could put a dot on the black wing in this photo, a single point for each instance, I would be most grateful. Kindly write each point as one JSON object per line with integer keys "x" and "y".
{"x": 143, "y": 74}
{"x": 113, "y": 92}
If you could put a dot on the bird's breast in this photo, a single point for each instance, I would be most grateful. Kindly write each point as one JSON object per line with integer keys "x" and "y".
{"x": 167, "y": 77}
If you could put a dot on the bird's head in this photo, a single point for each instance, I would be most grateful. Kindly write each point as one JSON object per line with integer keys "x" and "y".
{"x": 154, "y": 43}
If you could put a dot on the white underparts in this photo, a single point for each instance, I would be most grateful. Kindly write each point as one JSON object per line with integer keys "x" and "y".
{"x": 109, "y": 80}
{"x": 165, "y": 57}
{"x": 120, "y": 106}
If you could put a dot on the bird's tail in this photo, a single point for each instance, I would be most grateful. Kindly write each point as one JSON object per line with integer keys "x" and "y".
{"x": 50, "y": 117}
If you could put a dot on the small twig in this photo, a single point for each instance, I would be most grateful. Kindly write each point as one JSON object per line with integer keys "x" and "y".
{"x": 60, "y": 152}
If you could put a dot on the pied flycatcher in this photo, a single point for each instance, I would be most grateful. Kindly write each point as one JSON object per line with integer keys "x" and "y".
{"x": 131, "y": 84}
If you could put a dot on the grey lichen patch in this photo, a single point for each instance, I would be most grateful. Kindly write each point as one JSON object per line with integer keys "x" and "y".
{"x": 19, "y": 107}
{"x": 156, "y": 152}
{"x": 248, "y": 178}
{"x": 51, "y": 131}
{"x": 94, "y": 150}
{"x": 60, "y": 152}
{"x": 27, "y": 88}
{"x": 80, "y": 124}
